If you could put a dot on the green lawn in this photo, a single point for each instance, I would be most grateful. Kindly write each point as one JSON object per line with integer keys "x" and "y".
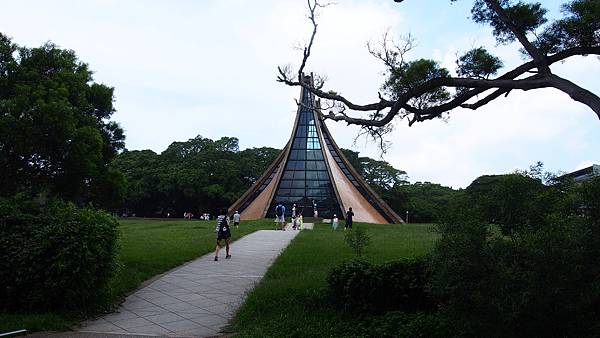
{"x": 290, "y": 302}
{"x": 148, "y": 248}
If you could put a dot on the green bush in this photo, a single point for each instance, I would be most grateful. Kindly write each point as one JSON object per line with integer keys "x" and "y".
{"x": 359, "y": 286}
{"x": 541, "y": 282}
{"x": 54, "y": 256}
{"x": 405, "y": 285}
{"x": 354, "y": 285}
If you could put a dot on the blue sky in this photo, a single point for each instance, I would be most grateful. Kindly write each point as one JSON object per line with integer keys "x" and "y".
{"x": 187, "y": 68}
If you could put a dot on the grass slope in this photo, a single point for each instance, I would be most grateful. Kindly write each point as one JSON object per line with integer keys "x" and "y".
{"x": 148, "y": 248}
{"x": 289, "y": 301}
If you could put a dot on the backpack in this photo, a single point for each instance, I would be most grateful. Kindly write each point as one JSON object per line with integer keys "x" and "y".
{"x": 279, "y": 210}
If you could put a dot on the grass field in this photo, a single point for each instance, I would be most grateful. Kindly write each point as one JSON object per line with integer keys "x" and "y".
{"x": 289, "y": 301}
{"x": 148, "y": 248}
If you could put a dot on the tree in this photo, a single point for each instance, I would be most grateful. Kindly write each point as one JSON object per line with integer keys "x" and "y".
{"x": 198, "y": 175}
{"x": 422, "y": 90}
{"x": 55, "y": 135}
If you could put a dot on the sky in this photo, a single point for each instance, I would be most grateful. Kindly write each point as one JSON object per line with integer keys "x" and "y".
{"x": 186, "y": 68}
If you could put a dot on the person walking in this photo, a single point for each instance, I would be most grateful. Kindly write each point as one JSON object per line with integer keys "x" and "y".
{"x": 280, "y": 216}
{"x": 223, "y": 234}
{"x": 294, "y": 210}
{"x": 349, "y": 215}
{"x": 334, "y": 222}
{"x": 236, "y": 219}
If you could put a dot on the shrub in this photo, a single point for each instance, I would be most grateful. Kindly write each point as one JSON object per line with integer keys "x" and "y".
{"x": 539, "y": 282}
{"x": 405, "y": 285}
{"x": 354, "y": 285}
{"x": 359, "y": 286}
{"x": 357, "y": 240}
{"x": 55, "y": 256}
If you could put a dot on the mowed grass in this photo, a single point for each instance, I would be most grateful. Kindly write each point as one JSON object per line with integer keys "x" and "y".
{"x": 148, "y": 247}
{"x": 291, "y": 301}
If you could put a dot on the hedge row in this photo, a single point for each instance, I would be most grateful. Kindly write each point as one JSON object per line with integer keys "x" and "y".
{"x": 54, "y": 256}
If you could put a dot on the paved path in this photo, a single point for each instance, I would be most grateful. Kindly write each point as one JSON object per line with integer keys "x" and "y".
{"x": 198, "y": 298}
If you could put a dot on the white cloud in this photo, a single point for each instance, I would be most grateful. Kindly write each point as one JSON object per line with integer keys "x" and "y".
{"x": 209, "y": 68}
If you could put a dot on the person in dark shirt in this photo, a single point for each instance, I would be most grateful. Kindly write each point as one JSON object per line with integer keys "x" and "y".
{"x": 349, "y": 215}
{"x": 223, "y": 234}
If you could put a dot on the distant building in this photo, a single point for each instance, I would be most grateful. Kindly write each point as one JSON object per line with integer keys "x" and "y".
{"x": 313, "y": 174}
{"x": 584, "y": 174}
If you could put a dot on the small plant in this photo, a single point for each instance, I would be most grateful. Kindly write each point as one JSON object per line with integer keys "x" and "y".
{"x": 357, "y": 240}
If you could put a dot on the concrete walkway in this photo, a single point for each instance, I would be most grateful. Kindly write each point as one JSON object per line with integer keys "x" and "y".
{"x": 198, "y": 298}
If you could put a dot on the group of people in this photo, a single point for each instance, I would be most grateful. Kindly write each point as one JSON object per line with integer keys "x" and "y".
{"x": 335, "y": 221}
{"x": 297, "y": 219}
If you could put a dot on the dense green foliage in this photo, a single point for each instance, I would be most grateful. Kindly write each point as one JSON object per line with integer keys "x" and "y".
{"x": 54, "y": 257}
{"x": 361, "y": 287}
{"x": 55, "y": 136}
{"x": 535, "y": 273}
{"x": 199, "y": 175}
{"x": 56, "y": 143}
{"x": 425, "y": 202}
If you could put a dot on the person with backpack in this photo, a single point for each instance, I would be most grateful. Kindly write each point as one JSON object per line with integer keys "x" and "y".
{"x": 223, "y": 234}
{"x": 280, "y": 216}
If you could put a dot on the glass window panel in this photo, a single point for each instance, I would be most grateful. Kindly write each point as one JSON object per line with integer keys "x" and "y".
{"x": 346, "y": 171}
{"x": 291, "y": 165}
{"x": 288, "y": 175}
{"x": 299, "y": 143}
{"x": 318, "y": 155}
{"x": 300, "y": 165}
{"x": 311, "y": 165}
{"x": 321, "y": 165}
{"x": 313, "y": 143}
{"x": 284, "y": 192}
{"x": 299, "y": 175}
{"x": 312, "y": 175}
{"x": 285, "y": 184}
{"x": 297, "y": 192}
{"x": 298, "y": 184}
{"x": 301, "y": 131}
{"x": 313, "y": 184}
{"x": 322, "y": 175}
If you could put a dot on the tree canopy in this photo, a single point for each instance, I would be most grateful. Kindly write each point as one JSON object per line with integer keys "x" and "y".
{"x": 420, "y": 90}
{"x": 56, "y": 139}
{"x": 198, "y": 175}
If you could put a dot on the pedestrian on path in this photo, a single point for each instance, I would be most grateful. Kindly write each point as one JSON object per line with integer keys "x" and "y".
{"x": 236, "y": 219}
{"x": 280, "y": 216}
{"x": 223, "y": 234}
{"x": 349, "y": 215}
{"x": 334, "y": 222}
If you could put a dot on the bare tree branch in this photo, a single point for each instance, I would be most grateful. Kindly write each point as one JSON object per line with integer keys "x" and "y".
{"x": 407, "y": 104}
